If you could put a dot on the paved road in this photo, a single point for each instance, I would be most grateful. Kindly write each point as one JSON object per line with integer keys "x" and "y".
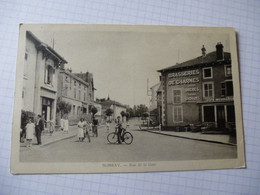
{"x": 145, "y": 147}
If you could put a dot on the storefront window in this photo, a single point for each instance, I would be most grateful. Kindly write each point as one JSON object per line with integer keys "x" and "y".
{"x": 231, "y": 113}
{"x": 208, "y": 90}
{"x": 209, "y": 114}
{"x": 177, "y": 113}
{"x": 176, "y": 96}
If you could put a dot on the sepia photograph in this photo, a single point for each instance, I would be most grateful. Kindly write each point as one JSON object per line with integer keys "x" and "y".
{"x": 126, "y": 98}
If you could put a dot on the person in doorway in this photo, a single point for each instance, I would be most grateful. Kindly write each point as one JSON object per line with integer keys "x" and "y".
{"x": 80, "y": 130}
{"x": 95, "y": 126}
{"x": 30, "y": 132}
{"x": 39, "y": 128}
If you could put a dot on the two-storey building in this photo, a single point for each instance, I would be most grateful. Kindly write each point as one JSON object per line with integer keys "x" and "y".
{"x": 198, "y": 91}
{"x": 41, "y": 66}
{"x": 77, "y": 92}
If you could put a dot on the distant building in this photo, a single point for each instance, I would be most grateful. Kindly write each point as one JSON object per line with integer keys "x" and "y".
{"x": 78, "y": 92}
{"x": 198, "y": 91}
{"x": 41, "y": 67}
{"x": 114, "y": 105}
{"x": 153, "y": 100}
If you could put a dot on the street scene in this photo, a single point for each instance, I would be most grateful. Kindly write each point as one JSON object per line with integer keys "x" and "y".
{"x": 108, "y": 103}
{"x": 146, "y": 146}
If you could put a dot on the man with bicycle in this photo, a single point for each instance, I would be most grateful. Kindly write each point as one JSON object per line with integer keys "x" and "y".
{"x": 119, "y": 130}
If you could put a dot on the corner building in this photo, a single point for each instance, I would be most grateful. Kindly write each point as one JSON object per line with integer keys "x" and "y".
{"x": 198, "y": 91}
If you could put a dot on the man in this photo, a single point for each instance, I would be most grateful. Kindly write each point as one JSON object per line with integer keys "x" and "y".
{"x": 39, "y": 127}
{"x": 23, "y": 124}
{"x": 119, "y": 130}
{"x": 95, "y": 124}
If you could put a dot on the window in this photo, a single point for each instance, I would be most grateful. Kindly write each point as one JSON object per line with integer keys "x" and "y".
{"x": 177, "y": 114}
{"x": 25, "y": 68}
{"x": 84, "y": 96}
{"x": 49, "y": 74}
{"x": 73, "y": 109}
{"x": 208, "y": 90}
{"x": 75, "y": 83}
{"x": 67, "y": 79}
{"x": 79, "y": 95}
{"x": 66, "y": 90}
{"x": 26, "y": 56}
{"x": 176, "y": 96}
{"x": 228, "y": 70}
{"x": 207, "y": 73}
{"x": 227, "y": 89}
{"x": 75, "y": 93}
{"x": 209, "y": 113}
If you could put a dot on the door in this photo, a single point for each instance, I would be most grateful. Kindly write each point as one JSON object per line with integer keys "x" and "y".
{"x": 221, "y": 117}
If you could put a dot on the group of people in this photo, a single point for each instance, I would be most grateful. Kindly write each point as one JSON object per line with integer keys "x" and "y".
{"x": 84, "y": 127}
{"x": 31, "y": 129}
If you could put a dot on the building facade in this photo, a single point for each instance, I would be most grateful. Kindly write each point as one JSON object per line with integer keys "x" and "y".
{"x": 77, "y": 92}
{"x": 41, "y": 67}
{"x": 198, "y": 91}
{"x": 114, "y": 105}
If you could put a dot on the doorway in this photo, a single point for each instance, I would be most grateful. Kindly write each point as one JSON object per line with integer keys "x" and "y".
{"x": 221, "y": 117}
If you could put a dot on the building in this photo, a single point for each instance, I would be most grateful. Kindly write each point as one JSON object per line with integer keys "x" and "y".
{"x": 41, "y": 67}
{"x": 114, "y": 105}
{"x": 198, "y": 91}
{"x": 77, "y": 92}
{"x": 153, "y": 100}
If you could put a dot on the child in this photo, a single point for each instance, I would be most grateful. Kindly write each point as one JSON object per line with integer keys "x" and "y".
{"x": 30, "y": 130}
{"x": 108, "y": 126}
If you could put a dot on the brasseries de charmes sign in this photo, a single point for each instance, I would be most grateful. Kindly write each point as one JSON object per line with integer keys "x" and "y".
{"x": 184, "y": 81}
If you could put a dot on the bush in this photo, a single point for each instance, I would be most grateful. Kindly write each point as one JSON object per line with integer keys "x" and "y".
{"x": 25, "y": 116}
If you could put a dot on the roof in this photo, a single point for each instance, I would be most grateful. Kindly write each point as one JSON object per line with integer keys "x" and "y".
{"x": 201, "y": 60}
{"x": 74, "y": 76}
{"x": 108, "y": 103}
{"x": 44, "y": 46}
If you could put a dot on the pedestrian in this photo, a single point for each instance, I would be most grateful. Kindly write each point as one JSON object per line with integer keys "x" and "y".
{"x": 86, "y": 129}
{"x": 39, "y": 128}
{"x": 119, "y": 130}
{"x": 52, "y": 126}
{"x": 108, "y": 126}
{"x": 66, "y": 124}
{"x": 80, "y": 130}
{"x": 95, "y": 124}
{"x": 30, "y": 132}
{"x": 23, "y": 130}
{"x": 62, "y": 124}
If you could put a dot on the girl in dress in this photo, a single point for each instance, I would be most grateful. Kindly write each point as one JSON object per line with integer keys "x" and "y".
{"x": 30, "y": 130}
{"x": 80, "y": 130}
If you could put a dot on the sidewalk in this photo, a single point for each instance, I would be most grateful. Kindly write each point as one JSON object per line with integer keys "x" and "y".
{"x": 49, "y": 139}
{"x": 214, "y": 138}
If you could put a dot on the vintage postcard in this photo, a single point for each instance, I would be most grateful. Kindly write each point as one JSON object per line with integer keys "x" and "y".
{"x": 126, "y": 98}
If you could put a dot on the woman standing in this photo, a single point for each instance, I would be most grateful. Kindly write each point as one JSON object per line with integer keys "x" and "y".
{"x": 66, "y": 125}
{"x": 30, "y": 131}
{"x": 80, "y": 130}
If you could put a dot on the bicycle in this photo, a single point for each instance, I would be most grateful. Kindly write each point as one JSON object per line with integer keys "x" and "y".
{"x": 126, "y": 137}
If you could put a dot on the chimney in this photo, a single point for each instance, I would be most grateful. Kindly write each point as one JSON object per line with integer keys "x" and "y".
{"x": 219, "y": 51}
{"x": 203, "y": 49}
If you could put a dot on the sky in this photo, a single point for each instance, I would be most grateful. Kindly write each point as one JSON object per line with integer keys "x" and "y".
{"x": 122, "y": 62}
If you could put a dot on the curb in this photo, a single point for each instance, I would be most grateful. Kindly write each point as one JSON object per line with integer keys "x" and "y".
{"x": 57, "y": 140}
{"x": 190, "y": 138}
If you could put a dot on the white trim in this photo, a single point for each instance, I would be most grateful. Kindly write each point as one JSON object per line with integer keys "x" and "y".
{"x": 213, "y": 90}
{"x": 211, "y": 72}
{"x": 225, "y": 67}
{"x": 180, "y": 89}
{"x": 177, "y": 106}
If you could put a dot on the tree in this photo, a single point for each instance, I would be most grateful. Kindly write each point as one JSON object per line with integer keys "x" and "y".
{"x": 109, "y": 112}
{"x": 94, "y": 110}
{"x": 122, "y": 114}
{"x": 127, "y": 115}
{"x": 63, "y": 107}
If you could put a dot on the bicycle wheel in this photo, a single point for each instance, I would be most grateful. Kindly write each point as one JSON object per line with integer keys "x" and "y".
{"x": 112, "y": 138}
{"x": 127, "y": 138}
